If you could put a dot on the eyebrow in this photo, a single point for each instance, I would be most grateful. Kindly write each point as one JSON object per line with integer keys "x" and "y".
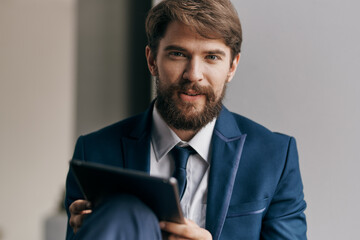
{"x": 181, "y": 49}
{"x": 217, "y": 52}
{"x": 174, "y": 47}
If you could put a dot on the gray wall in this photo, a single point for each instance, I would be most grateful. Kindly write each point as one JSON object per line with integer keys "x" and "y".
{"x": 299, "y": 74}
{"x": 112, "y": 77}
{"x": 102, "y": 69}
{"x": 37, "y": 106}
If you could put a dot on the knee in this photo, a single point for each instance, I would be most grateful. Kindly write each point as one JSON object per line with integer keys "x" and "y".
{"x": 122, "y": 215}
{"x": 125, "y": 204}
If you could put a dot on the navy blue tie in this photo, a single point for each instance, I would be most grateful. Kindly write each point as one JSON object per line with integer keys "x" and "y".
{"x": 181, "y": 155}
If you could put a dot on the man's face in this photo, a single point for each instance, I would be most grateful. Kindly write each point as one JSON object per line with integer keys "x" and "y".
{"x": 192, "y": 73}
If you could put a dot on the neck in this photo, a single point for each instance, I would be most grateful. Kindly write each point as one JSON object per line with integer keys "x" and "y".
{"x": 184, "y": 135}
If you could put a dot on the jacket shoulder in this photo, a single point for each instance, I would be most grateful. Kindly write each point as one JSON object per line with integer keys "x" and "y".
{"x": 258, "y": 131}
{"x": 119, "y": 129}
{"x": 106, "y": 144}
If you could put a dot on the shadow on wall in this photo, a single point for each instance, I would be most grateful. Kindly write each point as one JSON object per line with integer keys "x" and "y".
{"x": 113, "y": 81}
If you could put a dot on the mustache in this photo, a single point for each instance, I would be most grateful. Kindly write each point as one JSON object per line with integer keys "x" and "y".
{"x": 196, "y": 87}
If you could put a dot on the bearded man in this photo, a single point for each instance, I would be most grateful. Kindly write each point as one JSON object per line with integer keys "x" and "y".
{"x": 242, "y": 180}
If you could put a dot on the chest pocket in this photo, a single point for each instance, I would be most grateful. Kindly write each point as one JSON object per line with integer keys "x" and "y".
{"x": 245, "y": 209}
{"x": 243, "y": 220}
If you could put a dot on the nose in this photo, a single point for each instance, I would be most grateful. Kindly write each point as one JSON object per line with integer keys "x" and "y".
{"x": 193, "y": 70}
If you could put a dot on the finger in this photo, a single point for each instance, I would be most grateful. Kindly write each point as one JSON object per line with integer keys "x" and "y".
{"x": 76, "y": 219}
{"x": 189, "y": 230}
{"x": 179, "y": 230}
{"x": 189, "y": 222}
{"x": 79, "y": 205}
{"x": 76, "y": 222}
{"x": 87, "y": 211}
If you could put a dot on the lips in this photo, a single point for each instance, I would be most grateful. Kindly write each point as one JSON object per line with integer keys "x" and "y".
{"x": 191, "y": 94}
{"x": 189, "y": 91}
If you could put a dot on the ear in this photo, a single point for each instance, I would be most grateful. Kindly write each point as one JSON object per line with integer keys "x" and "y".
{"x": 151, "y": 61}
{"x": 233, "y": 68}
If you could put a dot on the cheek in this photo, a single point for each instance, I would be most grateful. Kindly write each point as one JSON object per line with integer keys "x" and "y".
{"x": 171, "y": 71}
{"x": 219, "y": 91}
{"x": 218, "y": 83}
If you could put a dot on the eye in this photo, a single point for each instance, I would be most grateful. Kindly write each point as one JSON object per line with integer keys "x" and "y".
{"x": 213, "y": 57}
{"x": 176, "y": 54}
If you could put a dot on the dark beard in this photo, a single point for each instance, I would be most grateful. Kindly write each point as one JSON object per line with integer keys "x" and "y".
{"x": 176, "y": 113}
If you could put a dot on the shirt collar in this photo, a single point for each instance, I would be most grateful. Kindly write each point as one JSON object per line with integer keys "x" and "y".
{"x": 164, "y": 138}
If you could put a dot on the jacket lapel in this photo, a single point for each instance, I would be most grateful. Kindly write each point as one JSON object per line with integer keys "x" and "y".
{"x": 227, "y": 145}
{"x": 136, "y": 146}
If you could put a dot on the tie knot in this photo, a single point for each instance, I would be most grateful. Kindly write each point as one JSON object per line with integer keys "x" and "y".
{"x": 181, "y": 155}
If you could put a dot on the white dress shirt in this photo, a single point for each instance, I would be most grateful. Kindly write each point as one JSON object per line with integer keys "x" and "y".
{"x": 163, "y": 139}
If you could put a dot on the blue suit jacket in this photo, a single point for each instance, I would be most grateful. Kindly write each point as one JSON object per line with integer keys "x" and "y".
{"x": 255, "y": 189}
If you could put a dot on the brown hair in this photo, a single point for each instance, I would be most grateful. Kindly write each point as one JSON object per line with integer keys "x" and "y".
{"x": 210, "y": 18}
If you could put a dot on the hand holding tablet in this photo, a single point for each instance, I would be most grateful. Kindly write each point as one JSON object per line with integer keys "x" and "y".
{"x": 98, "y": 181}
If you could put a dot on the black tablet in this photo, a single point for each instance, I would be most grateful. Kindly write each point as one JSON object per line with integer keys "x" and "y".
{"x": 99, "y": 181}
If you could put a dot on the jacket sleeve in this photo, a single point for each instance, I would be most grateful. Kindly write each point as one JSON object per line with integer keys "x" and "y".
{"x": 73, "y": 192}
{"x": 285, "y": 218}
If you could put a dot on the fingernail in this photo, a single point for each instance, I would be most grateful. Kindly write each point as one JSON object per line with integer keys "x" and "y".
{"x": 162, "y": 225}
